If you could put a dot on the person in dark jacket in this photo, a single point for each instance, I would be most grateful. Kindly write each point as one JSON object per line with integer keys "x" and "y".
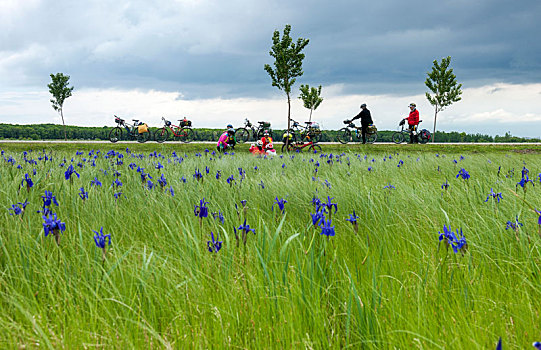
{"x": 366, "y": 119}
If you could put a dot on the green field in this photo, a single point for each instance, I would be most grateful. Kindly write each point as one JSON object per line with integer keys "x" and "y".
{"x": 392, "y": 284}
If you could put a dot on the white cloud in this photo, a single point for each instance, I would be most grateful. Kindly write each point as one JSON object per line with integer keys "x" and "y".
{"x": 492, "y": 109}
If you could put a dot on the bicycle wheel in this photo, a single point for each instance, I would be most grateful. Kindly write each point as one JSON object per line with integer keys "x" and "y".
{"x": 398, "y": 137}
{"x": 161, "y": 135}
{"x": 288, "y": 147}
{"x": 344, "y": 136}
{"x": 425, "y": 136}
{"x": 242, "y": 135}
{"x": 186, "y": 135}
{"x": 315, "y": 148}
{"x": 371, "y": 138}
{"x": 143, "y": 137}
{"x": 115, "y": 134}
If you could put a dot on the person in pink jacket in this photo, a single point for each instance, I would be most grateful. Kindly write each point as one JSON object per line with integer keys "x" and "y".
{"x": 227, "y": 140}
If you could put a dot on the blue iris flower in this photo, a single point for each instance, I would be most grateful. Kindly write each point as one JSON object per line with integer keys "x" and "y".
{"x": 197, "y": 175}
{"x": 95, "y": 182}
{"x": 213, "y": 245}
{"x": 445, "y": 185}
{"x": 49, "y": 199}
{"x": 281, "y": 204}
{"x": 329, "y": 204}
{"x": 353, "y": 217}
{"x": 524, "y": 181}
{"x": 219, "y": 216}
{"x": 100, "y": 239}
{"x": 69, "y": 172}
{"x": 326, "y": 228}
{"x": 494, "y": 195}
{"x": 513, "y": 225}
{"x": 28, "y": 181}
{"x": 52, "y": 224}
{"x": 456, "y": 240}
{"x": 83, "y": 194}
{"x": 201, "y": 210}
{"x": 18, "y": 208}
{"x": 316, "y": 217}
{"x": 162, "y": 181}
{"x": 464, "y": 174}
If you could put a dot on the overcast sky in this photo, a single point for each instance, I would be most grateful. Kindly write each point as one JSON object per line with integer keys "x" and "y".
{"x": 204, "y": 59}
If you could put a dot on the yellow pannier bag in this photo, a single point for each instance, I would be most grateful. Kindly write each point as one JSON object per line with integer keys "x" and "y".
{"x": 142, "y": 128}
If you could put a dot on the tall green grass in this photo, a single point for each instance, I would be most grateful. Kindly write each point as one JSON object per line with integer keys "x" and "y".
{"x": 392, "y": 285}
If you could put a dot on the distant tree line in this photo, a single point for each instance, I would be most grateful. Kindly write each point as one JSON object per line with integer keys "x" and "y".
{"x": 55, "y": 132}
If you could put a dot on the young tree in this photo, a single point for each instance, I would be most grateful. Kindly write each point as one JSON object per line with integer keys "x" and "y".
{"x": 442, "y": 82}
{"x": 287, "y": 63}
{"x": 311, "y": 98}
{"x": 60, "y": 90}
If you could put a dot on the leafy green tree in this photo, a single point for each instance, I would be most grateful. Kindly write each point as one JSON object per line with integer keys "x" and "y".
{"x": 287, "y": 63}
{"x": 311, "y": 98}
{"x": 442, "y": 82}
{"x": 60, "y": 90}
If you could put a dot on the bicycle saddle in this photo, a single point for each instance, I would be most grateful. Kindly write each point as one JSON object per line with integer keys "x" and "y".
{"x": 261, "y": 122}
{"x": 135, "y": 120}
{"x": 308, "y": 123}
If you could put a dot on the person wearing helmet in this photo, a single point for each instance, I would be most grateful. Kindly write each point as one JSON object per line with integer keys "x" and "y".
{"x": 227, "y": 140}
{"x": 413, "y": 122}
{"x": 266, "y": 140}
{"x": 366, "y": 120}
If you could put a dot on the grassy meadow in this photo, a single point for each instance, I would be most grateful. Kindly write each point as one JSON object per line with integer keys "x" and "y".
{"x": 385, "y": 282}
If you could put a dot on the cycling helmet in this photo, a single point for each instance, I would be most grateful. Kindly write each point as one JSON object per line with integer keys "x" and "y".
{"x": 229, "y": 126}
{"x": 363, "y": 105}
{"x": 266, "y": 133}
{"x": 413, "y": 105}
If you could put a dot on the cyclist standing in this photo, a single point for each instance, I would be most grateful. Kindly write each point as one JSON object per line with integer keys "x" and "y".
{"x": 413, "y": 122}
{"x": 366, "y": 120}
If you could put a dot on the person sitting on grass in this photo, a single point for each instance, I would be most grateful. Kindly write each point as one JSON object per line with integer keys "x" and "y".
{"x": 227, "y": 140}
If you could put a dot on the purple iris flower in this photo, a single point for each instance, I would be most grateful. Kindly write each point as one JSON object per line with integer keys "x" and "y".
{"x": 281, "y": 204}
{"x": 95, "y": 182}
{"x": 326, "y": 228}
{"x": 28, "y": 181}
{"x": 213, "y": 245}
{"x": 456, "y": 240}
{"x": 201, "y": 210}
{"x": 494, "y": 195}
{"x": 464, "y": 174}
{"x": 69, "y": 172}
{"x": 83, "y": 194}
{"x": 100, "y": 239}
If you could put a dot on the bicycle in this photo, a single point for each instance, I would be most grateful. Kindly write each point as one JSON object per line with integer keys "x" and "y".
{"x": 138, "y": 131}
{"x": 310, "y": 132}
{"x": 243, "y": 133}
{"x": 400, "y": 136}
{"x": 345, "y": 134}
{"x": 182, "y": 132}
{"x": 298, "y": 146}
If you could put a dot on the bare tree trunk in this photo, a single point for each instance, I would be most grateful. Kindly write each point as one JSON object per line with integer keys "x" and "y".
{"x": 288, "y": 112}
{"x": 310, "y": 115}
{"x": 62, "y": 115}
{"x": 435, "y": 116}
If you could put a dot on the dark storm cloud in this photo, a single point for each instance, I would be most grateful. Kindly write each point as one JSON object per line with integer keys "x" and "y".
{"x": 216, "y": 48}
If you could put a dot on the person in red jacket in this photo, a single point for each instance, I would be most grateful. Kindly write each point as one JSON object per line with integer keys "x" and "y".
{"x": 413, "y": 122}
